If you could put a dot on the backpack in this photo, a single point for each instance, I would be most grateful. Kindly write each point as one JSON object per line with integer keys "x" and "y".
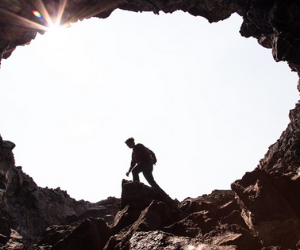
{"x": 153, "y": 156}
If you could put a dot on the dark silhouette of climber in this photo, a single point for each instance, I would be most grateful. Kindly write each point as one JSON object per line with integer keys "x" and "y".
{"x": 141, "y": 161}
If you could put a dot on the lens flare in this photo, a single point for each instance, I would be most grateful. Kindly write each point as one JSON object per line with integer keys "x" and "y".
{"x": 37, "y": 14}
{"x": 49, "y": 22}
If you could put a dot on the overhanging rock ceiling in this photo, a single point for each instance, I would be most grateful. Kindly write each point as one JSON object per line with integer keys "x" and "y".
{"x": 274, "y": 23}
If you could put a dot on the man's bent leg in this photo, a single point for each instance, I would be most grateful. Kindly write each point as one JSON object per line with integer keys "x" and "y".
{"x": 149, "y": 177}
{"x": 140, "y": 167}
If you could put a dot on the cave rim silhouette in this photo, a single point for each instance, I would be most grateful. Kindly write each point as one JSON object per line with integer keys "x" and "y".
{"x": 187, "y": 14}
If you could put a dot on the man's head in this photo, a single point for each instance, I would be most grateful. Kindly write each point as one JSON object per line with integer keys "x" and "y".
{"x": 130, "y": 142}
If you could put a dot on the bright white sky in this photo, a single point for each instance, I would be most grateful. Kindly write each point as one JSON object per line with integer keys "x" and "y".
{"x": 207, "y": 101}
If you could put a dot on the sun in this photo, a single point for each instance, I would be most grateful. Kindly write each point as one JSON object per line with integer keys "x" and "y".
{"x": 56, "y": 32}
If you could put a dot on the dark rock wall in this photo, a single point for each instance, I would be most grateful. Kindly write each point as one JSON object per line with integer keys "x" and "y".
{"x": 269, "y": 195}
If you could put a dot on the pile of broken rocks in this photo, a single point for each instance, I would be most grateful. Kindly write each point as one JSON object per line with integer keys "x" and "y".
{"x": 149, "y": 219}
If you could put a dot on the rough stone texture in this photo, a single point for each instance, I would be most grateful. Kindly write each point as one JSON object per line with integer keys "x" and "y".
{"x": 15, "y": 242}
{"x": 92, "y": 233}
{"x": 159, "y": 240}
{"x": 269, "y": 196}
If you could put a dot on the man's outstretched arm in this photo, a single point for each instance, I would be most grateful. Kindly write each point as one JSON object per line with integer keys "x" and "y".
{"x": 132, "y": 164}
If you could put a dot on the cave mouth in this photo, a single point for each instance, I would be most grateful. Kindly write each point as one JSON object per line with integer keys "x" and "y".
{"x": 193, "y": 75}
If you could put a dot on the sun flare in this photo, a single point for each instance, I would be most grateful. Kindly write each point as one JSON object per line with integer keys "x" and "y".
{"x": 56, "y": 35}
{"x": 44, "y": 20}
{"x": 52, "y": 25}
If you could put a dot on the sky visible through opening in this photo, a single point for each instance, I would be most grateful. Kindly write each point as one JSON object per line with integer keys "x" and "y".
{"x": 207, "y": 101}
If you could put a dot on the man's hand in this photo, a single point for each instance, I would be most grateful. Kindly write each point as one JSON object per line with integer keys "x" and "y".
{"x": 128, "y": 173}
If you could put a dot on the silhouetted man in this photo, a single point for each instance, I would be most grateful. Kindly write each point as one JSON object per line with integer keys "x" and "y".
{"x": 141, "y": 161}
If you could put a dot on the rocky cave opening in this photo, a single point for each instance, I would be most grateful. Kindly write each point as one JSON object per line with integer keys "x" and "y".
{"x": 273, "y": 185}
{"x": 51, "y": 167}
